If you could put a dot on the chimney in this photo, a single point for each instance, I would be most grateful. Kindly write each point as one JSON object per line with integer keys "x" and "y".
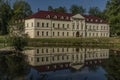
{"x": 38, "y": 9}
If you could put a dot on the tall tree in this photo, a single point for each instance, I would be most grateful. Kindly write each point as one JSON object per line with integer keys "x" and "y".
{"x": 59, "y": 9}
{"x": 113, "y": 15}
{"x": 50, "y": 8}
{"x": 77, "y": 9}
{"x": 94, "y": 11}
{"x": 21, "y": 9}
{"x": 5, "y": 16}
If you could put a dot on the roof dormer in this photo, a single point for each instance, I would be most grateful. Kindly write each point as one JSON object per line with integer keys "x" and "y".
{"x": 48, "y": 16}
{"x": 62, "y": 17}
{"x": 55, "y": 17}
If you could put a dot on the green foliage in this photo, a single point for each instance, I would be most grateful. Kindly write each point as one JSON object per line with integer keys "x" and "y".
{"x": 13, "y": 66}
{"x": 21, "y": 9}
{"x": 18, "y": 42}
{"x": 59, "y": 9}
{"x": 5, "y": 16}
{"x": 113, "y": 15}
{"x": 77, "y": 9}
{"x": 112, "y": 66}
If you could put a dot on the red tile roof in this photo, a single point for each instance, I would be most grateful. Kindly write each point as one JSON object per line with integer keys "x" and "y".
{"x": 66, "y": 16}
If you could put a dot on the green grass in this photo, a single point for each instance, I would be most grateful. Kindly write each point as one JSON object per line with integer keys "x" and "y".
{"x": 76, "y": 40}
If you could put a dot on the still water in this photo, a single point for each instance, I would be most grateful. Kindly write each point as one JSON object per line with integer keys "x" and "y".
{"x": 62, "y": 63}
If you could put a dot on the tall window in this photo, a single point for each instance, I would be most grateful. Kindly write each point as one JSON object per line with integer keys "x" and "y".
{"x": 37, "y": 33}
{"x": 77, "y": 26}
{"x": 58, "y": 25}
{"x": 46, "y": 33}
{"x": 81, "y": 26}
{"x": 53, "y": 24}
{"x": 42, "y": 33}
{"x": 38, "y": 24}
{"x": 73, "y": 26}
{"x": 63, "y": 26}
{"x": 67, "y": 25}
{"x": 32, "y": 24}
{"x": 46, "y": 50}
{"x": 42, "y": 24}
{"x": 37, "y": 50}
{"x": 58, "y": 33}
{"x": 37, "y": 59}
{"x": 47, "y": 24}
{"x": 67, "y": 33}
{"x": 53, "y": 33}
{"x": 63, "y": 33}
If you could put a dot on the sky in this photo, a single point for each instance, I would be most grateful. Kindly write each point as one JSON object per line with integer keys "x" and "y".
{"x": 43, "y": 4}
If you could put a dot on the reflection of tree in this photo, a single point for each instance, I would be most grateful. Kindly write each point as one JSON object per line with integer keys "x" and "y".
{"x": 93, "y": 68}
{"x": 112, "y": 66}
{"x": 13, "y": 66}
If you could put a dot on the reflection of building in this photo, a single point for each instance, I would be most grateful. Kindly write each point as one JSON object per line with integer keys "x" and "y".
{"x": 52, "y": 24}
{"x": 46, "y": 58}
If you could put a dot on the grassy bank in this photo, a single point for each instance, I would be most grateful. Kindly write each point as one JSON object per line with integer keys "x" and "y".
{"x": 75, "y": 41}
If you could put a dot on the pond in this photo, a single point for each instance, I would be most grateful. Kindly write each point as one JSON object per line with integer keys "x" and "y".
{"x": 61, "y": 63}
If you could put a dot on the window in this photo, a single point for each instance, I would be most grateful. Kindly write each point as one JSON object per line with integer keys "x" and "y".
{"x": 53, "y": 24}
{"x": 58, "y": 57}
{"x": 47, "y": 25}
{"x": 73, "y": 33}
{"x": 67, "y": 49}
{"x": 32, "y": 24}
{"x": 42, "y": 33}
{"x": 62, "y": 57}
{"x": 37, "y": 50}
{"x": 42, "y": 24}
{"x": 63, "y": 33}
{"x": 42, "y": 59}
{"x": 73, "y": 26}
{"x": 53, "y": 49}
{"x": 46, "y": 58}
{"x": 46, "y": 33}
{"x": 62, "y": 49}
{"x": 58, "y": 25}
{"x": 57, "y": 49}
{"x": 67, "y": 57}
{"x": 53, "y": 33}
{"x": 46, "y": 50}
{"x": 38, "y": 24}
{"x": 81, "y": 26}
{"x": 67, "y": 33}
{"x": 96, "y": 34}
{"x": 63, "y": 26}
{"x": 37, "y": 33}
{"x": 77, "y": 26}
{"x": 42, "y": 50}
{"x": 53, "y": 58}
{"x": 37, "y": 59}
{"x": 58, "y": 34}
{"x": 67, "y": 25}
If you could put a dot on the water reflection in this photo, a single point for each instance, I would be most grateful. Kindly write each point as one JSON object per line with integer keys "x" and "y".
{"x": 58, "y": 63}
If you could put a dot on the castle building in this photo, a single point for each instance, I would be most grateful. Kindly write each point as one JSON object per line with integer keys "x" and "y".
{"x": 48, "y": 24}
